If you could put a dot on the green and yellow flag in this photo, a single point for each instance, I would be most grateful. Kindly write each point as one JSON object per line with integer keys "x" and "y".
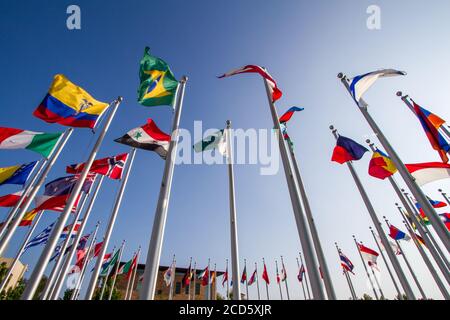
{"x": 158, "y": 84}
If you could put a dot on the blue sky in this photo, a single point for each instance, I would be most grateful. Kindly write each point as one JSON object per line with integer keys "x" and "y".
{"x": 304, "y": 44}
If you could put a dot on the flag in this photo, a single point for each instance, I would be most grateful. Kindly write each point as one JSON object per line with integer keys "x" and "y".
{"x": 213, "y": 277}
{"x": 369, "y": 255}
{"x": 96, "y": 251}
{"x": 252, "y": 279}
{"x": 393, "y": 245}
{"x": 286, "y": 136}
{"x": 110, "y": 263}
{"x": 105, "y": 261}
{"x": 445, "y": 217}
{"x": 67, "y": 229}
{"x": 430, "y": 124}
{"x": 133, "y": 266}
{"x": 428, "y": 172}
{"x": 16, "y": 174}
{"x": 288, "y": 114}
{"x": 187, "y": 277}
{"x": 244, "y": 275}
{"x": 225, "y": 277}
{"x": 346, "y": 263}
{"x": 42, "y": 143}
{"x": 420, "y": 239}
{"x": 126, "y": 267}
{"x": 283, "y": 273}
{"x": 204, "y": 277}
{"x": 301, "y": 273}
{"x": 437, "y": 203}
{"x": 397, "y": 234}
{"x": 216, "y": 140}
{"x": 347, "y": 150}
{"x": 157, "y": 82}
{"x": 360, "y": 84}
{"x": 275, "y": 92}
{"x": 69, "y": 105}
{"x": 278, "y": 276}
{"x": 111, "y": 167}
{"x": 265, "y": 275}
{"x": 10, "y": 200}
{"x": 41, "y": 238}
{"x": 168, "y": 274}
{"x": 28, "y": 218}
{"x": 381, "y": 166}
{"x": 147, "y": 137}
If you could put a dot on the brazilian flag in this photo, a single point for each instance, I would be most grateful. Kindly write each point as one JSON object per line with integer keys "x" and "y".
{"x": 158, "y": 84}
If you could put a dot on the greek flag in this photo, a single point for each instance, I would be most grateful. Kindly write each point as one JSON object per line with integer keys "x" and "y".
{"x": 41, "y": 238}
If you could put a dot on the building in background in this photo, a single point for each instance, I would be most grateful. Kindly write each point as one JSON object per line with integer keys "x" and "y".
{"x": 16, "y": 274}
{"x": 162, "y": 291}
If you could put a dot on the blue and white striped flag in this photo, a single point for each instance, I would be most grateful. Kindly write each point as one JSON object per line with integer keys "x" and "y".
{"x": 41, "y": 238}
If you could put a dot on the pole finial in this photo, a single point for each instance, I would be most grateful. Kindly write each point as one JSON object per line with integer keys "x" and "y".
{"x": 368, "y": 141}
{"x": 119, "y": 98}
{"x": 399, "y": 94}
{"x": 340, "y": 75}
{"x": 370, "y": 228}
{"x": 440, "y": 190}
{"x": 184, "y": 79}
{"x": 331, "y": 127}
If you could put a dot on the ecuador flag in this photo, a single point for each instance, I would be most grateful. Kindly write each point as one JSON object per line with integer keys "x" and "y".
{"x": 381, "y": 166}
{"x": 69, "y": 105}
{"x": 158, "y": 84}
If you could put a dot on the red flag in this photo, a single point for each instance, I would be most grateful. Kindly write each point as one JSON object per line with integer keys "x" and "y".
{"x": 265, "y": 275}
{"x": 10, "y": 200}
{"x": 111, "y": 167}
{"x": 133, "y": 266}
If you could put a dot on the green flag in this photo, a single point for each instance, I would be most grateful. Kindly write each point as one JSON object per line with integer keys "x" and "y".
{"x": 158, "y": 84}
{"x": 216, "y": 140}
{"x": 124, "y": 269}
{"x": 110, "y": 263}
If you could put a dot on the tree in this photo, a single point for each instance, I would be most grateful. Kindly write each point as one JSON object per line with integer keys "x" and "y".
{"x": 68, "y": 294}
{"x": 366, "y": 297}
{"x": 3, "y": 270}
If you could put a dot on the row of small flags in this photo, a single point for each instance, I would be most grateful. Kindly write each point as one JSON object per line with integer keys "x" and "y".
{"x": 70, "y": 105}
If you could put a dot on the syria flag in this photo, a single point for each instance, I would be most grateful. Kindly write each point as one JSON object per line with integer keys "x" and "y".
{"x": 111, "y": 167}
{"x": 147, "y": 137}
{"x": 276, "y": 93}
{"x": 10, "y": 200}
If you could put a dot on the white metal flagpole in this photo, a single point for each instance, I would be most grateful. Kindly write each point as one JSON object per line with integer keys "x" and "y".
{"x": 71, "y": 254}
{"x": 157, "y": 235}
{"x": 42, "y": 263}
{"x": 112, "y": 221}
{"x": 116, "y": 270}
{"x": 365, "y": 268}
{"x": 133, "y": 278}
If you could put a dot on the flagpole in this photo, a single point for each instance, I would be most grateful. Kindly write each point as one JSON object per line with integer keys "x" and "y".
{"x": 17, "y": 218}
{"x": 46, "y": 293}
{"x": 21, "y": 250}
{"x": 26, "y": 191}
{"x": 365, "y": 268}
{"x": 285, "y": 279}
{"x": 267, "y": 286}
{"x": 312, "y": 226}
{"x": 395, "y": 263}
{"x": 85, "y": 262}
{"x": 347, "y": 277}
{"x": 172, "y": 277}
{"x": 157, "y": 236}
{"x": 233, "y": 219}
{"x": 440, "y": 262}
{"x": 386, "y": 263}
{"x": 130, "y": 294}
{"x": 246, "y": 279}
{"x": 435, "y": 220}
{"x": 306, "y": 278}
{"x": 112, "y": 221}
{"x": 300, "y": 218}
{"x": 71, "y": 254}
{"x": 228, "y": 286}
{"x": 382, "y": 296}
{"x": 423, "y": 230}
{"x": 128, "y": 280}
{"x": 425, "y": 258}
{"x": 257, "y": 281}
{"x": 301, "y": 282}
{"x": 115, "y": 271}
{"x": 427, "y": 261}
{"x": 41, "y": 265}
{"x": 214, "y": 279}
{"x": 105, "y": 282}
{"x": 445, "y": 196}
{"x": 278, "y": 279}
{"x": 407, "y": 264}
{"x": 195, "y": 279}
{"x": 209, "y": 280}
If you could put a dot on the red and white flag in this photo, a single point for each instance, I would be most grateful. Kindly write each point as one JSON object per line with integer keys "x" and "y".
{"x": 276, "y": 93}
{"x": 429, "y": 171}
{"x": 10, "y": 200}
{"x": 265, "y": 275}
{"x": 112, "y": 167}
{"x": 369, "y": 255}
